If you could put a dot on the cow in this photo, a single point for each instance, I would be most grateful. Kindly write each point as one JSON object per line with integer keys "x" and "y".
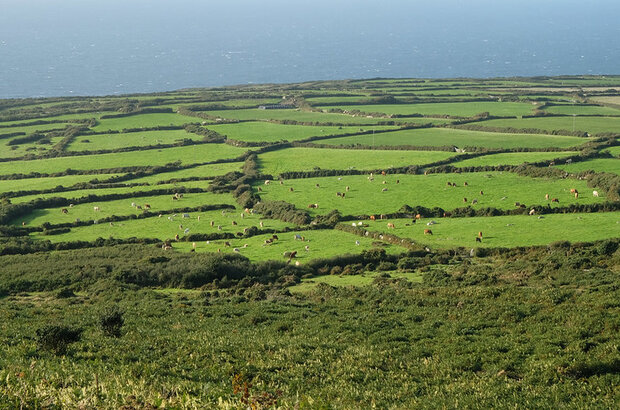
{"x": 532, "y": 211}
{"x": 186, "y": 231}
{"x": 383, "y": 173}
{"x": 291, "y": 189}
{"x": 347, "y": 188}
{"x": 174, "y": 198}
{"x": 307, "y": 248}
{"x": 317, "y": 185}
{"x": 447, "y": 214}
{"x": 313, "y": 206}
{"x": 384, "y": 182}
{"x": 481, "y": 193}
{"x": 555, "y": 200}
{"x": 517, "y": 204}
{"x": 212, "y": 223}
{"x": 576, "y": 195}
{"x": 70, "y": 205}
{"x": 418, "y": 216}
{"x": 242, "y": 215}
{"x": 449, "y": 183}
{"x": 227, "y": 244}
{"x": 64, "y": 210}
{"x": 96, "y": 208}
{"x": 274, "y": 237}
{"x": 185, "y": 216}
{"x": 176, "y": 237}
{"x": 595, "y": 193}
{"x": 260, "y": 189}
{"x": 573, "y": 191}
{"x": 133, "y": 204}
{"x": 261, "y": 224}
{"x": 239, "y": 234}
{"x": 398, "y": 181}
{"x": 198, "y": 218}
{"x": 465, "y": 200}
{"x": 390, "y": 225}
{"x": 357, "y": 243}
{"x": 268, "y": 241}
{"x": 219, "y": 227}
{"x": 474, "y": 201}
{"x": 297, "y": 237}
{"x": 547, "y": 197}
{"x": 372, "y": 217}
{"x": 267, "y": 182}
{"x": 281, "y": 182}
{"x": 147, "y": 206}
{"x": 428, "y": 232}
{"x": 384, "y": 190}
{"x": 340, "y": 194}
{"x": 193, "y": 245}
{"x": 478, "y": 239}
{"x": 234, "y": 223}
{"x": 465, "y": 183}
{"x": 138, "y": 207}
{"x": 23, "y": 223}
{"x": 480, "y": 234}
{"x": 236, "y": 250}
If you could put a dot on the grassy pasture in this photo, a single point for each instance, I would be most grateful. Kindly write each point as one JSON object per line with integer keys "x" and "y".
{"x": 31, "y": 129}
{"x": 186, "y": 154}
{"x": 506, "y": 231}
{"x": 336, "y": 99}
{"x": 431, "y": 190}
{"x": 321, "y": 244}
{"x": 581, "y": 110}
{"x": 260, "y": 131}
{"x": 164, "y": 228}
{"x": 611, "y": 165}
{"x": 79, "y": 193}
{"x": 27, "y": 184}
{"x": 307, "y": 159}
{"x": 437, "y": 137}
{"x": 593, "y": 125}
{"x": 364, "y": 279}
{"x": 31, "y": 148}
{"x": 144, "y": 121}
{"x": 615, "y": 151}
{"x": 131, "y": 139}
{"x": 121, "y": 207}
{"x": 607, "y": 100}
{"x": 199, "y": 171}
{"x": 307, "y": 116}
{"x": 512, "y": 158}
{"x": 460, "y": 109}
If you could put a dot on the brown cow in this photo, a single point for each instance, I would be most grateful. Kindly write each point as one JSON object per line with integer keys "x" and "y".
{"x": 372, "y": 217}
{"x": 428, "y": 232}
{"x": 390, "y": 225}
{"x": 64, "y": 210}
{"x": 418, "y": 216}
{"x": 480, "y": 234}
{"x": 313, "y": 206}
{"x": 147, "y": 206}
{"x": 555, "y": 200}
{"x": 465, "y": 200}
{"x": 383, "y": 173}
{"x": 573, "y": 191}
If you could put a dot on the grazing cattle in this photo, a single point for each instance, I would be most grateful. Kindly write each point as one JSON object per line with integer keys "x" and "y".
{"x": 418, "y": 216}
{"x": 474, "y": 201}
{"x": 480, "y": 234}
{"x": 159, "y": 216}
{"x": 186, "y": 216}
{"x": 194, "y": 245}
{"x": 293, "y": 255}
{"x": 260, "y": 189}
{"x": 147, "y": 206}
{"x": 234, "y": 223}
{"x": 573, "y": 191}
{"x": 70, "y": 205}
{"x": 227, "y": 243}
{"x": 245, "y": 230}
{"x": 239, "y": 234}
{"x": 96, "y": 208}
{"x": 198, "y": 218}
{"x": 314, "y": 206}
{"x": 274, "y": 237}
{"x": 547, "y": 197}
{"x": 64, "y": 210}
{"x": 268, "y": 241}
{"x": 390, "y": 225}
{"x": 267, "y": 182}
{"x": 384, "y": 189}
{"x": 245, "y": 245}
{"x": 297, "y": 237}
{"x": 384, "y": 182}
{"x": 481, "y": 193}
{"x": 478, "y": 239}
{"x": 242, "y": 215}
{"x": 372, "y": 217}
{"x": 186, "y": 231}
{"x": 307, "y": 248}
{"x": 503, "y": 198}
{"x": 595, "y": 193}
{"x": 465, "y": 183}
{"x": 291, "y": 189}
{"x": 174, "y": 198}
{"x": 555, "y": 200}
{"x": 428, "y": 232}
{"x": 576, "y": 195}
{"x": 138, "y": 207}
{"x": 532, "y": 211}
{"x": 398, "y": 181}
{"x": 317, "y": 185}
{"x": 219, "y": 227}
{"x": 357, "y": 242}
{"x": 176, "y": 237}
{"x": 212, "y": 223}
{"x": 517, "y": 204}
{"x": 247, "y": 211}
{"x": 347, "y": 188}
{"x": 413, "y": 221}
{"x": 522, "y": 206}
{"x": 281, "y": 182}
{"x": 180, "y": 227}
{"x": 23, "y": 223}
{"x": 179, "y": 196}
{"x": 465, "y": 200}
{"x": 383, "y": 173}
{"x": 339, "y": 194}
{"x": 77, "y": 220}
{"x": 449, "y": 183}
{"x": 260, "y": 223}
{"x": 235, "y": 249}
{"x": 431, "y": 223}
{"x": 133, "y": 204}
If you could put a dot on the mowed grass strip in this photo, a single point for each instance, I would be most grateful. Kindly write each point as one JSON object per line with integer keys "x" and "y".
{"x": 27, "y": 184}
{"x": 437, "y": 137}
{"x": 261, "y": 131}
{"x": 366, "y": 198}
{"x": 321, "y": 244}
{"x": 506, "y": 231}
{"x": 80, "y": 193}
{"x": 120, "y": 207}
{"x": 210, "y": 170}
{"x": 164, "y": 228}
{"x": 611, "y": 165}
{"x": 130, "y": 139}
{"x": 593, "y": 125}
{"x": 144, "y": 121}
{"x": 308, "y": 159}
{"x": 187, "y": 155}
{"x": 460, "y": 109}
{"x": 512, "y": 158}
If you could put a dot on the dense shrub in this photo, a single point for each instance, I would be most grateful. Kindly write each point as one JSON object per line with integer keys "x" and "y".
{"x": 57, "y": 338}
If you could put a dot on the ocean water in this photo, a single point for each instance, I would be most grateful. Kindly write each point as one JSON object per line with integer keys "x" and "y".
{"x": 94, "y": 47}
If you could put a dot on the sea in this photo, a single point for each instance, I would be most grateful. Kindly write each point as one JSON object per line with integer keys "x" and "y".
{"x": 111, "y": 47}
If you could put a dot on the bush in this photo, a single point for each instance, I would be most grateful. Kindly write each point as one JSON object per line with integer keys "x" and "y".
{"x": 111, "y": 321}
{"x": 56, "y": 338}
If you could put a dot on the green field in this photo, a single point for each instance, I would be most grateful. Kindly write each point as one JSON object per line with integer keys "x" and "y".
{"x": 512, "y": 158}
{"x": 28, "y": 184}
{"x": 320, "y": 243}
{"x": 593, "y": 125}
{"x": 581, "y": 110}
{"x": 201, "y": 171}
{"x": 364, "y": 279}
{"x": 506, "y": 231}
{"x": 437, "y": 137}
{"x": 465, "y": 109}
{"x": 187, "y": 155}
{"x": 132, "y": 139}
{"x": 366, "y": 198}
{"x": 611, "y": 165}
{"x": 32, "y": 148}
{"x": 308, "y": 159}
{"x": 121, "y": 207}
{"x": 164, "y": 228}
{"x": 144, "y": 121}
{"x": 269, "y": 132}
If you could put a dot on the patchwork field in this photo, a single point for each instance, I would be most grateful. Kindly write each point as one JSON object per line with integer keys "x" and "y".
{"x": 611, "y": 165}
{"x": 512, "y": 158}
{"x": 134, "y": 139}
{"x": 468, "y": 109}
{"x": 593, "y": 125}
{"x": 438, "y": 137}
